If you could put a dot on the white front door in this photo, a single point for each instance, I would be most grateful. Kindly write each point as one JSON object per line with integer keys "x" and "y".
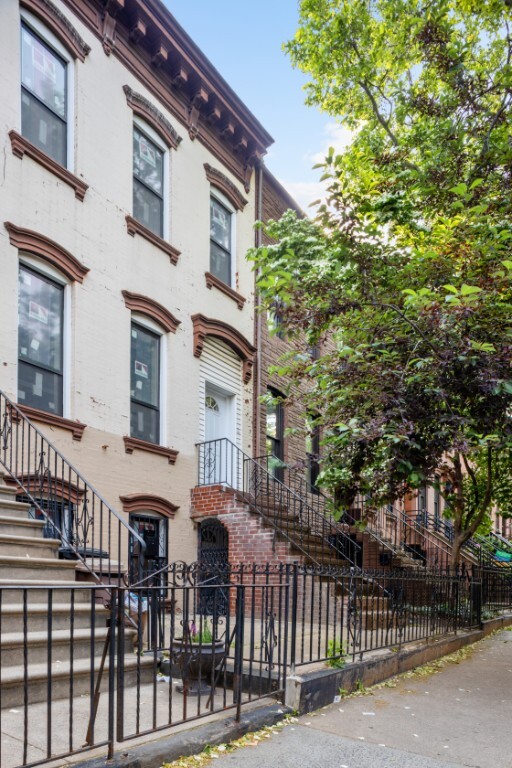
{"x": 221, "y": 455}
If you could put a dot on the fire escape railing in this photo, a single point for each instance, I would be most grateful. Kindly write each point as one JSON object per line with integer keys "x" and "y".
{"x": 91, "y": 531}
{"x": 320, "y": 537}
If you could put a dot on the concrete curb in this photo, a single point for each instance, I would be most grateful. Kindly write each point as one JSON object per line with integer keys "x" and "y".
{"x": 305, "y": 693}
{"x": 190, "y": 742}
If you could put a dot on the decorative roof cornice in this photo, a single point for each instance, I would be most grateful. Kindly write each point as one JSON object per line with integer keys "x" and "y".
{"x": 226, "y": 186}
{"x": 205, "y": 326}
{"x": 154, "y": 48}
{"x": 152, "y": 309}
{"x": 59, "y": 25}
{"x": 145, "y": 109}
{"x": 40, "y": 245}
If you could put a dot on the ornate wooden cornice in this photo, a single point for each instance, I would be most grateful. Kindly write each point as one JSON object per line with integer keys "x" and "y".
{"x": 212, "y": 281}
{"x": 152, "y": 309}
{"x": 51, "y": 419}
{"x": 40, "y": 245}
{"x": 148, "y": 112}
{"x": 140, "y": 502}
{"x": 205, "y": 326}
{"x": 134, "y": 227}
{"x": 59, "y": 25}
{"x": 149, "y": 42}
{"x": 133, "y": 443}
{"x": 226, "y": 186}
{"x": 21, "y": 146}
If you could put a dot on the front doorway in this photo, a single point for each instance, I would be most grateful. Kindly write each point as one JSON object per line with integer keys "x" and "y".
{"x": 221, "y": 455}
{"x": 154, "y": 529}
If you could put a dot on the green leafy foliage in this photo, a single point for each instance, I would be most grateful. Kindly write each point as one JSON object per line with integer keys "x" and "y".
{"x": 405, "y": 273}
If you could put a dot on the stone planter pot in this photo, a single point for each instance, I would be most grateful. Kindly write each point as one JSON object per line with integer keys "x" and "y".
{"x": 197, "y": 662}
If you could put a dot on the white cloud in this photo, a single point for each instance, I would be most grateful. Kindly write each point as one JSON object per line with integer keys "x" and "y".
{"x": 304, "y": 192}
{"x": 334, "y": 135}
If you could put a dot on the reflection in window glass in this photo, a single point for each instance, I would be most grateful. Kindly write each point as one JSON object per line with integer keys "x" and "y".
{"x": 220, "y": 241}
{"x": 148, "y": 184}
{"x": 43, "y": 97}
{"x": 145, "y": 384}
{"x": 40, "y": 333}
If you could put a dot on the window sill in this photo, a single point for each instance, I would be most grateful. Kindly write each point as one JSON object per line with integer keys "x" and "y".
{"x": 134, "y": 227}
{"x": 52, "y": 420}
{"x": 20, "y": 146}
{"x": 133, "y": 443}
{"x": 214, "y": 282}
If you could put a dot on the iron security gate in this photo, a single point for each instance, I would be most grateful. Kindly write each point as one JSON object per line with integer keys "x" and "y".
{"x": 213, "y": 557}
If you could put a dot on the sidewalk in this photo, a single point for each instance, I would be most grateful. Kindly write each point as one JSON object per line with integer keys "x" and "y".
{"x": 460, "y": 716}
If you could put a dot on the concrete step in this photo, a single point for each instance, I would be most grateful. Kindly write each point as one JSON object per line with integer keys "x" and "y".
{"x": 12, "y": 616}
{"x": 19, "y": 526}
{"x": 37, "y": 591}
{"x": 33, "y": 546}
{"x": 7, "y": 492}
{"x": 14, "y": 508}
{"x": 61, "y": 679}
{"x": 34, "y": 567}
{"x": 84, "y": 643}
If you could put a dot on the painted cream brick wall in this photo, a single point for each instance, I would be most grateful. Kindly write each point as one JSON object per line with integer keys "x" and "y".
{"x": 94, "y": 231}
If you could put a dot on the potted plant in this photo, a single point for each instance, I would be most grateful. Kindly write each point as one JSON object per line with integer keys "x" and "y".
{"x": 197, "y": 653}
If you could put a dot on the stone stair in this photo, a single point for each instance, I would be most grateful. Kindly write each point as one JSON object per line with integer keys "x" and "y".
{"x": 39, "y": 599}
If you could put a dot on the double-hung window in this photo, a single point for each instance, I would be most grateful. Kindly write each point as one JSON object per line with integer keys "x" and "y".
{"x": 221, "y": 250}
{"x": 148, "y": 182}
{"x": 274, "y": 439}
{"x": 44, "y": 96}
{"x": 40, "y": 342}
{"x": 145, "y": 384}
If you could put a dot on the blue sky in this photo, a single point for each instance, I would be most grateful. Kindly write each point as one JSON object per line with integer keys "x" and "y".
{"x": 242, "y": 39}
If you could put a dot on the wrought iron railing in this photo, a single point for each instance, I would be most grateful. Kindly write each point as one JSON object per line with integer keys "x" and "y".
{"x": 392, "y": 530}
{"x": 317, "y": 536}
{"x": 91, "y": 531}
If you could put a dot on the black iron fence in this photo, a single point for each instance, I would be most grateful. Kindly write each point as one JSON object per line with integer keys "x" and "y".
{"x": 102, "y": 665}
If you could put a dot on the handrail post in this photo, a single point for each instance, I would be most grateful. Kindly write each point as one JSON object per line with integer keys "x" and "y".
{"x": 293, "y": 617}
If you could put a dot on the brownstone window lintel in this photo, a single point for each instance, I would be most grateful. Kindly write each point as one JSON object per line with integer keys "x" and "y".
{"x": 59, "y": 25}
{"x": 146, "y": 306}
{"x": 212, "y": 281}
{"x": 134, "y": 443}
{"x": 50, "y": 419}
{"x": 40, "y": 245}
{"x": 21, "y": 146}
{"x": 140, "y": 502}
{"x": 134, "y": 227}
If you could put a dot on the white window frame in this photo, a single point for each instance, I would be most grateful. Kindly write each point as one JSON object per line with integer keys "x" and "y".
{"x": 166, "y": 167}
{"x": 44, "y": 269}
{"x": 52, "y": 41}
{"x": 223, "y": 200}
{"x": 149, "y": 325}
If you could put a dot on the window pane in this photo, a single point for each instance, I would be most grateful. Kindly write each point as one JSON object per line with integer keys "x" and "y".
{"x": 147, "y": 162}
{"x": 39, "y": 388}
{"x": 144, "y": 423}
{"x": 145, "y": 373}
{"x": 40, "y": 320}
{"x": 147, "y": 208}
{"x": 43, "y": 73}
{"x": 220, "y": 224}
{"x": 220, "y": 263}
{"x": 43, "y": 128}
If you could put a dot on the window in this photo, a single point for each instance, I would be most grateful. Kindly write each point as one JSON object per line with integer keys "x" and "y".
{"x": 145, "y": 384}
{"x": 220, "y": 241}
{"x": 44, "y": 96}
{"x": 274, "y": 442}
{"x": 275, "y": 323}
{"x": 148, "y": 182}
{"x": 40, "y": 342}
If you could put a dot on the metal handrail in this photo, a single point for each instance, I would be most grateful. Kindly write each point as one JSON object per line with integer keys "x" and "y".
{"x": 405, "y": 532}
{"x": 317, "y": 536}
{"x": 75, "y": 512}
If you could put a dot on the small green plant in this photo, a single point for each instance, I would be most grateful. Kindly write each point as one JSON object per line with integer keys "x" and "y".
{"x": 336, "y": 654}
{"x": 342, "y": 692}
{"x": 360, "y": 686}
{"x": 202, "y": 634}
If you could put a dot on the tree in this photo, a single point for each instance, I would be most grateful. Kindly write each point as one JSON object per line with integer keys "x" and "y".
{"x": 405, "y": 273}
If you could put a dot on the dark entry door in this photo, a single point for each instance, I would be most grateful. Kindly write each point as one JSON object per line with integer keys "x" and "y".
{"x": 154, "y": 531}
{"x": 213, "y": 559}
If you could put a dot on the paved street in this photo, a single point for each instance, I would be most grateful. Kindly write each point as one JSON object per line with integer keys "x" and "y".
{"x": 460, "y": 716}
